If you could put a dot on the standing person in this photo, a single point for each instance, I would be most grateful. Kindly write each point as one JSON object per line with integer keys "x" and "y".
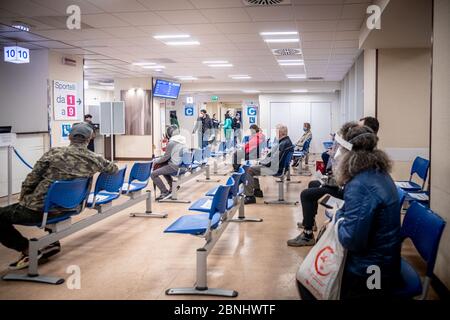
{"x": 237, "y": 128}
{"x": 174, "y": 119}
{"x": 88, "y": 120}
{"x": 168, "y": 164}
{"x": 227, "y": 128}
{"x": 370, "y": 229}
{"x": 203, "y": 127}
{"x": 215, "y": 125}
{"x": 62, "y": 163}
{"x": 307, "y": 135}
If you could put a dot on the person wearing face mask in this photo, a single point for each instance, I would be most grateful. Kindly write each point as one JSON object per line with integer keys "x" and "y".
{"x": 228, "y": 128}
{"x": 62, "y": 163}
{"x": 307, "y": 135}
{"x": 309, "y": 198}
{"x": 370, "y": 229}
{"x": 204, "y": 128}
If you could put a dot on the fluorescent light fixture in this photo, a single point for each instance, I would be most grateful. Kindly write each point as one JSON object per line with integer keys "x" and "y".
{"x": 21, "y": 26}
{"x": 279, "y": 33}
{"x": 288, "y": 40}
{"x": 153, "y": 67}
{"x": 215, "y": 61}
{"x": 220, "y": 65}
{"x": 182, "y": 43}
{"x": 290, "y": 60}
{"x": 299, "y": 90}
{"x": 186, "y": 77}
{"x": 250, "y": 91}
{"x": 240, "y": 77}
{"x": 296, "y": 76}
{"x": 291, "y": 63}
{"x": 143, "y": 63}
{"x": 172, "y": 36}
{"x": 106, "y": 83}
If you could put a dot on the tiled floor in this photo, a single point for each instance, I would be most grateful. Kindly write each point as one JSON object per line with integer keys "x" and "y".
{"x": 131, "y": 258}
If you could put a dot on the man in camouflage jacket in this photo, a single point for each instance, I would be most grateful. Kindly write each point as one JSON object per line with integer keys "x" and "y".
{"x": 63, "y": 163}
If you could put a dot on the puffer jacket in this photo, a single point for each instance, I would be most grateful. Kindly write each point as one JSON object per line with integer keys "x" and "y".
{"x": 370, "y": 230}
{"x": 174, "y": 151}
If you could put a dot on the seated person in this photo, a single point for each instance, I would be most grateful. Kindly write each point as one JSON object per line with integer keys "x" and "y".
{"x": 326, "y": 154}
{"x": 63, "y": 163}
{"x": 270, "y": 165}
{"x": 168, "y": 164}
{"x": 310, "y": 196}
{"x": 251, "y": 149}
{"x": 307, "y": 135}
{"x": 370, "y": 229}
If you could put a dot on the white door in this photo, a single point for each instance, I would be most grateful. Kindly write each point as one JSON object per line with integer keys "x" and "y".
{"x": 320, "y": 125}
{"x": 300, "y": 113}
{"x": 279, "y": 113}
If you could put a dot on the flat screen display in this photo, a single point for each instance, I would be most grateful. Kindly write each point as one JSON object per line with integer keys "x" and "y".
{"x": 166, "y": 89}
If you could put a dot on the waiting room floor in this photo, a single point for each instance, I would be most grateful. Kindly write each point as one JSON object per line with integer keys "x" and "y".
{"x": 131, "y": 258}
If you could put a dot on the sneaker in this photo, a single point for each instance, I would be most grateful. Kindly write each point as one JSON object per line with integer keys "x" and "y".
{"x": 51, "y": 250}
{"x": 300, "y": 226}
{"x": 249, "y": 200}
{"x": 22, "y": 262}
{"x": 301, "y": 241}
{"x": 258, "y": 193}
{"x": 163, "y": 195}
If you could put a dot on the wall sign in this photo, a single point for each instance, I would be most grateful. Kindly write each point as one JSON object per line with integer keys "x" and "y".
{"x": 16, "y": 54}
{"x": 189, "y": 110}
{"x": 252, "y": 120}
{"x": 66, "y": 105}
{"x": 251, "y": 111}
{"x": 65, "y": 130}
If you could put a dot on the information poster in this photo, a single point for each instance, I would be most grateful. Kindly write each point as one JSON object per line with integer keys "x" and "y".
{"x": 66, "y": 104}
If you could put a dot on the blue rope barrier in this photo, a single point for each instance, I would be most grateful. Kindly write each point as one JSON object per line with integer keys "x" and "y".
{"x": 21, "y": 159}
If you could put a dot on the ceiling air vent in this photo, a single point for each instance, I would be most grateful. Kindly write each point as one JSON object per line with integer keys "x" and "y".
{"x": 266, "y": 2}
{"x": 286, "y": 52}
{"x": 315, "y": 78}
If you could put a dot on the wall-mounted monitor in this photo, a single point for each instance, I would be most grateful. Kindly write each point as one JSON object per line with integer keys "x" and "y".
{"x": 166, "y": 89}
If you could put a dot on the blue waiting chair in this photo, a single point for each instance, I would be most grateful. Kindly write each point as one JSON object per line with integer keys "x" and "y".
{"x": 199, "y": 224}
{"x": 424, "y": 228}
{"x": 107, "y": 188}
{"x": 139, "y": 177}
{"x": 327, "y": 144}
{"x": 68, "y": 197}
{"x": 419, "y": 167}
{"x": 281, "y": 174}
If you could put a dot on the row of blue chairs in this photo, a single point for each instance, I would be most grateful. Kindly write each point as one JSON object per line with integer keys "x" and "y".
{"x": 415, "y": 191}
{"x": 69, "y": 198}
{"x": 213, "y": 213}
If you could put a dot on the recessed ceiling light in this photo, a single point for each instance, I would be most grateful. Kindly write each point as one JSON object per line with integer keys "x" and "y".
{"x": 143, "y": 63}
{"x": 282, "y": 40}
{"x": 182, "y": 43}
{"x": 220, "y": 65}
{"x": 250, "y": 91}
{"x": 296, "y": 76}
{"x": 290, "y": 60}
{"x": 299, "y": 90}
{"x": 153, "y": 67}
{"x": 214, "y": 61}
{"x": 280, "y": 33}
{"x": 172, "y": 36}
{"x": 240, "y": 77}
{"x": 106, "y": 83}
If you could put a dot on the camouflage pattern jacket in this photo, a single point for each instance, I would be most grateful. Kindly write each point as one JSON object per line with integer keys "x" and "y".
{"x": 63, "y": 163}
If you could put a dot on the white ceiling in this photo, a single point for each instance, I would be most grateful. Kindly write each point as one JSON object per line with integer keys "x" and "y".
{"x": 116, "y": 33}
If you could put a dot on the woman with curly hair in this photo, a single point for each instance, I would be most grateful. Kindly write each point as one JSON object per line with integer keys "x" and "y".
{"x": 370, "y": 230}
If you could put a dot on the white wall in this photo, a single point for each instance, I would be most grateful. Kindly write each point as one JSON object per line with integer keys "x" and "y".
{"x": 265, "y": 100}
{"x": 93, "y": 96}
{"x": 352, "y": 92}
{"x": 23, "y": 93}
{"x": 440, "y": 142}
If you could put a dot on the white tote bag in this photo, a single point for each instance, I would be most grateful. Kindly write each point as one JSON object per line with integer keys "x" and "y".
{"x": 321, "y": 271}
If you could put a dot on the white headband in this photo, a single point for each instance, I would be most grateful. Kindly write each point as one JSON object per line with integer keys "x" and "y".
{"x": 347, "y": 145}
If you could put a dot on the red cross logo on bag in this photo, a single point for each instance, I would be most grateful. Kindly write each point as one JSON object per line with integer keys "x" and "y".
{"x": 324, "y": 260}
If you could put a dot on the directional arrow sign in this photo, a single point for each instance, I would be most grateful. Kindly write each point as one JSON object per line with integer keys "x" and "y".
{"x": 79, "y": 101}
